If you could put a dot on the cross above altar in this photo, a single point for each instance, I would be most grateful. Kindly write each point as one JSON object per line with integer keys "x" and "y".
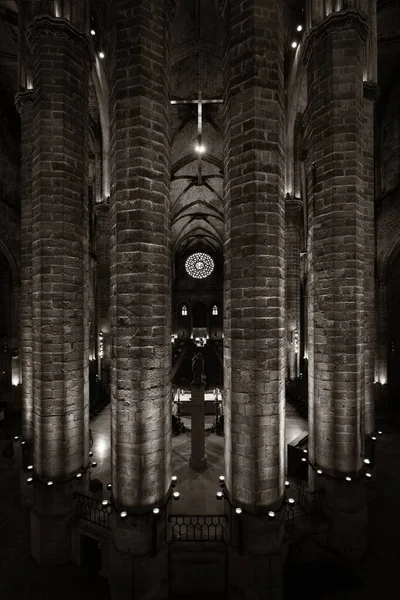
{"x": 200, "y": 149}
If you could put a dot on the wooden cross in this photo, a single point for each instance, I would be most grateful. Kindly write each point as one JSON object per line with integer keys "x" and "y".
{"x": 200, "y": 148}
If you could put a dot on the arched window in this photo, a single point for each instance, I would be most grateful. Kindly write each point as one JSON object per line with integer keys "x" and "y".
{"x": 215, "y": 310}
{"x": 184, "y": 311}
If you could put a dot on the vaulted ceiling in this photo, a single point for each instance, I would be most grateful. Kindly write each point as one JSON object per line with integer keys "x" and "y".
{"x": 196, "y": 202}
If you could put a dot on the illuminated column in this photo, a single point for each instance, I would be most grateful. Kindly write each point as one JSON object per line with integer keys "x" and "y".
{"x": 371, "y": 94}
{"x": 24, "y": 105}
{"x": 60, "y": 112}
{"x": 254, "y": 296}
{"x": 140, "y": 266}
{"x": 340, "y": 234}
{"x": 293, "y": 226}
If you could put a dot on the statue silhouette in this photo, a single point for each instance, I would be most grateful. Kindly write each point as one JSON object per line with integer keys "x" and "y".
{"x": 198, "y": 369}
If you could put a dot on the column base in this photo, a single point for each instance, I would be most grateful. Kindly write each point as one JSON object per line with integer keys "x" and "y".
{"x": 199, "y": 464}
{"x": 256, "y": 556}
{"x": 346, "y": 507}
{"x": 255, "y": 577}
{"x": 52, "y": 517}
{"x": 133, "y": 569}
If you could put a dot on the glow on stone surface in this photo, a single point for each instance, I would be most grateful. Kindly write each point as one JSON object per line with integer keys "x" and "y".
{"x": 199, "y": 265}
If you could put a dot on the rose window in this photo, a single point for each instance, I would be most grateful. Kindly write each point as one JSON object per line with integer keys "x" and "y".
{"x": 199, "y": 265}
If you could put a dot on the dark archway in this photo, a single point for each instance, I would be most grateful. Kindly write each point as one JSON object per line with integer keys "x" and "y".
{"x": 393, "y": 346}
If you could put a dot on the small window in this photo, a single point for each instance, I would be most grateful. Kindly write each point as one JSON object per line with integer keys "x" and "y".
{"x": 184, "y": 311}
{"x": 215, "y": 310}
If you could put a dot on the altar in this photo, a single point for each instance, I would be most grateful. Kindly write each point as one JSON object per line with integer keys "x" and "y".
{"x": 186, "y": 404}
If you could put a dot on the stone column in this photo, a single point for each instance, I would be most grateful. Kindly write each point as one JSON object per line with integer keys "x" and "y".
{"x": 103, "y": 231}
{"x": 140, "y": 292}
{"x": 371, "y": 94}
{"x": 61, "y": 62}
{"x": 24, "y": 106}
{"x": 334, "y": 56}
{"x": 381, "y": 352}
{"x": 198, "y": 458}
{"x": 293, "y": 224}
{"x": 254, "y": 296}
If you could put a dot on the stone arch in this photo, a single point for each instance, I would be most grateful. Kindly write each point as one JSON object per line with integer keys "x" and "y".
{"x": 15, "y": 276}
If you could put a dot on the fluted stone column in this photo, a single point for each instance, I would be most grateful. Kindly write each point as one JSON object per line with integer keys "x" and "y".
{"x": 61, "y": 62}
{"x": 340, "y": 230}
{"x": 293, "y": 224}
{"x": 371, "y": 94}
{"x": 140, "y": 293}
{"x": 254, "y": 298}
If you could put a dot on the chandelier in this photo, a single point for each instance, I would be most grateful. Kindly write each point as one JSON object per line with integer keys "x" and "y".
{"x": 199, "y": 265}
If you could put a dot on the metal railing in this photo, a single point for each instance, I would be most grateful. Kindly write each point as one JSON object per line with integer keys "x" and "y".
{"x": 93, "y": 510}
{"x": 309, "y": 500}
{"x": 197, "y": 528}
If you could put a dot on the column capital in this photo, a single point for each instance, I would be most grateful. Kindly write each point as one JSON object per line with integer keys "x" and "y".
{"x": 336, "y": 21}
{"x": 23, "y": 100}
{"x": 371, "y": 90}
{"x": 45, "y": 26}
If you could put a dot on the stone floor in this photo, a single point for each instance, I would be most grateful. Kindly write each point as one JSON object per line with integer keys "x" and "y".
{"x": 197, "y": 489}
{"x": 322, "y": 578}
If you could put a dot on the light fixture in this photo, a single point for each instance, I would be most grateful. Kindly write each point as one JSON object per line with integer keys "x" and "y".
{"x": 78, "y": 475}
{"x": 219, "y": 495}
{"x": 303, "y": 460}
{"x": 90, "y": 453}
{"x": 29, "y": 467}
{"x": 222, "y": 481}
{"x": 109, "y": 486}
{"x": 368, "y": 475}
{"x": 287, "y": 484}
{"x": 101, "y": 54}
{"x": 373, "y": 438}
{"x": 238, "y": 511}
{"x": 50, "y": 483}
{"x": 305, "y": 451}
{"x": 29, "y": 480}
{"x": 380, "y": 433}
{"x": 104, "y": 502}
{"x": 15, "y": 437}
{"x": 200, "y": 148}
{"x": 92, "y": 32}
{"x": 123, "y": 514}
{"x": 174, "y": 480}
{"x": 367, "y": 461}
{"x": 156, "y": 511}
{"x": 22, "y": 443}
{"x": 290, "y": 501}
{"x": 94, "y": 464}
{"x": 294, "y": 44}
{"x": 176, "y": 495}
{"x": 319, "y": 472}
{"x": 271, "y": 515}
{"x": 299, "y": 27}
{"x": 348, "y": 479}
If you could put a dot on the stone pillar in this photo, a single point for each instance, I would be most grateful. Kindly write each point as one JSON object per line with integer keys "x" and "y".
{"x": 198, "y": 458}
{"x": 293, "y": 224}
{"x": 254, "y": 296}
{"x": 371, "y": 94}
{"x": 334, "y": 56}
{"x": 140, "y": 291}
{"x": 61, "y": 62}
{"x": 381, "y": 352}
{"x": 24, "y": 106}
{"x": 103, "y": 230}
